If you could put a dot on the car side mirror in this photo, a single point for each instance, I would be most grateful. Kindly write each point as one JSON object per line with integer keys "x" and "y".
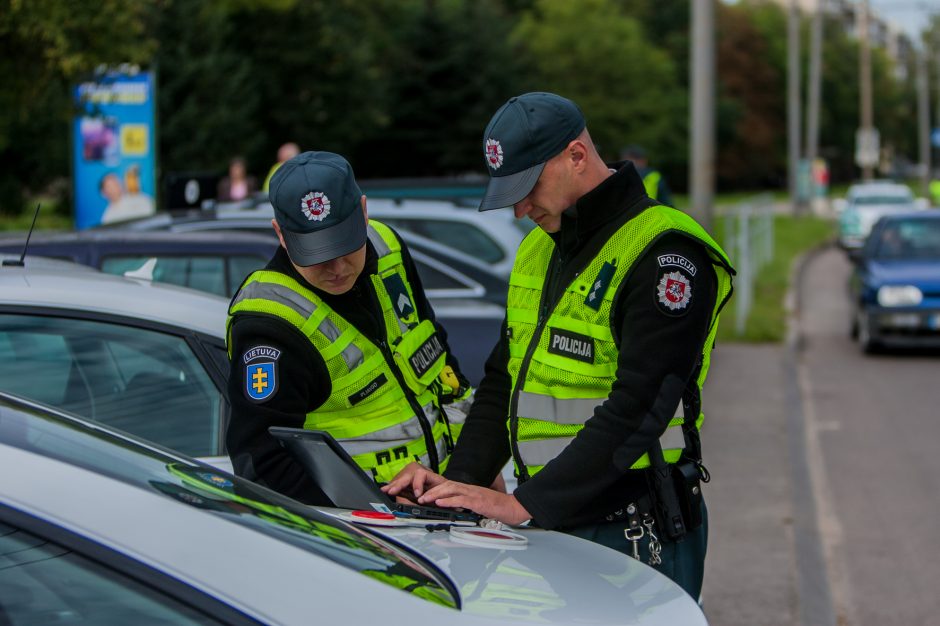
{"x": 921, "y": 204}
{"x": 838, "y": 205}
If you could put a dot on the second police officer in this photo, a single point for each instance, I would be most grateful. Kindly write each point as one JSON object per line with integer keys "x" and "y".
{"x": 336, "y": 334}
{"x": 594, "y": 387}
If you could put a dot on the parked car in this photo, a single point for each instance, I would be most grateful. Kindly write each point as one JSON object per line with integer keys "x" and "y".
{"x": 490, "y": 237}
{"x": 865, "y": 203}
{"x": 895, "y": 283}
{"x": 216, "y": 262}
{"x": 101, "y": 527}
{"x": 144, "y": 357}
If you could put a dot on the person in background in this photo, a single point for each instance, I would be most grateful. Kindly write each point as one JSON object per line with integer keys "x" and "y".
{"x": 593, "y": 388}
{"x": 286, "y": 152}
{"x": 653, "y": 180}
{"x": 336, "y": 334}
{"x": 238, "y": 185}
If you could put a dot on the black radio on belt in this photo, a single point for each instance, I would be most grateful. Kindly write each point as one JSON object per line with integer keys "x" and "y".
{"x": 687, "y": 477}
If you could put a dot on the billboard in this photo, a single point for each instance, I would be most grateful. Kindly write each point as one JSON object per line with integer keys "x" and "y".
{"x": 114, "y": 151}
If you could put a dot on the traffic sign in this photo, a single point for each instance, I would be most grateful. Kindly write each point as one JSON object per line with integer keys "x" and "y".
{"x": 867, "y": 147}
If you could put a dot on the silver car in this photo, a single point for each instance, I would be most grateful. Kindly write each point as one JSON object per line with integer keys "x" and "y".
{"x": 865, "y": 203}
{"x": 148, "y": 358}
{"x": 98, "y": 527}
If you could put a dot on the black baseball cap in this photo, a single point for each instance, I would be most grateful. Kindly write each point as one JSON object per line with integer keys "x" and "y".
{"x": 317, "y": 205}
{"x": 524, "y": 133}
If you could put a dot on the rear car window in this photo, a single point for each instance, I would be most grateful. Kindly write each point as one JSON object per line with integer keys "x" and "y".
{"x": 142, "y": 381}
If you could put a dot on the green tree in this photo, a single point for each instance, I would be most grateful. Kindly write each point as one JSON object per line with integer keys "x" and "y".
{"x": 597, "y": 55}
{"x": 751, "y": 126}
{"x": 451, "y": 68}
{"x": 242, "y": 77}
{"x": 45, "y": 47}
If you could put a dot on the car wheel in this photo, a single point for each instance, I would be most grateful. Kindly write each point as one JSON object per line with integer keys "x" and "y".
{"x": 868, "y": 344}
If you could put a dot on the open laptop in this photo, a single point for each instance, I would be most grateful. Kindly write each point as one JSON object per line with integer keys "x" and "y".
{"x": 344, "y": 482}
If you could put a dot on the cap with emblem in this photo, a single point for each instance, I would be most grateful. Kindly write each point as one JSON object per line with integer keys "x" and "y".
{"x": 317, "y": 205}
{"x": 524, "y": 133}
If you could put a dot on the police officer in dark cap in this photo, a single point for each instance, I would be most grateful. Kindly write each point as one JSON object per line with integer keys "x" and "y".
{"x": 336, "y": 334}
{"x": 593, "y": 389}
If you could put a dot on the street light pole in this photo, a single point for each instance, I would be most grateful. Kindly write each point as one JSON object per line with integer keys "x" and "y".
{"x": 814, "y": 93}
{"x": 793, "y": 103}
{"x": 864, "y": 92}
{"x": 702, "y": 112}
{"x": 923, "y": 118}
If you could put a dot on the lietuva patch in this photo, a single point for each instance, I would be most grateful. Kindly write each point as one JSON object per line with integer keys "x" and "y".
{"x": 677, "y": 260}
{"x": 426, "y": 354}
{"x": 260, "y": 372}
{"x": 368, "y": 390}
{"x": 673, "y": 293}
{"x": 572, "y": 345}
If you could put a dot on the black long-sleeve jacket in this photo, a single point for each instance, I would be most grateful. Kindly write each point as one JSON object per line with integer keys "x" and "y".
{"x": 582, "y": 484}
{"x": 303, "y": 379}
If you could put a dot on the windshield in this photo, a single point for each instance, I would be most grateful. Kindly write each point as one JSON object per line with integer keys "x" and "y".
{"x": 912, "y": 239}
{"x": 218, "y": 493}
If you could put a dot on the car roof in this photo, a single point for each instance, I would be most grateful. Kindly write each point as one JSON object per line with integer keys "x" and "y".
{"x": 878, "y": 188}
{"x": 931, "y": 214}
{"x": 69, "y": 286}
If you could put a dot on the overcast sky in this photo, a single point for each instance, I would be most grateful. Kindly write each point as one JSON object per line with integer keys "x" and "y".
{"x": 910, "y": 16}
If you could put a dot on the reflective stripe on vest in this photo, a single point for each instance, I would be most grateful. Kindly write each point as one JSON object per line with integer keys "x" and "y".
{"x": 564, "y": 365}
{"x": 368, "y": 410}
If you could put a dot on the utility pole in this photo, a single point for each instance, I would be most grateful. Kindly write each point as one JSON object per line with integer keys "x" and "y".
{"x": 793, "y": 104}
{"x": 864, "y": 72}
{"x": 702, "y": 112}
{"x": 923, "y": 118}
{"x": 814, "y": 92}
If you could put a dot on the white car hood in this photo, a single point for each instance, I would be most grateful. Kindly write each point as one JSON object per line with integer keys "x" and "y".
{"x": 554, "y": 579}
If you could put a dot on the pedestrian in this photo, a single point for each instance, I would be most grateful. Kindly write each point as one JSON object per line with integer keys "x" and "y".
{"x": 336, "y": 334}
{"x": 237, "y": 185}
{"x": 286, "y": 152}
{"x": 653, "y": 180}
{"x": 593, "y": 387}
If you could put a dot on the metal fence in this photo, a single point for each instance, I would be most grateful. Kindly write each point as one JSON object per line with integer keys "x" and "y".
{"x": 749, "y": 242}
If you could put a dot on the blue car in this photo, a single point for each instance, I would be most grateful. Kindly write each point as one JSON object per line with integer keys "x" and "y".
{"x": 896, "y": 283}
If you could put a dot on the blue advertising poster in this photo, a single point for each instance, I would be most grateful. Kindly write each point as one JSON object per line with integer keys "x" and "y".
{"x": 114, "y": 148}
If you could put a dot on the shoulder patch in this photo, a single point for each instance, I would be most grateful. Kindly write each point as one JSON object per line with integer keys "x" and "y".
{"x": 673, "y": 293}
{"x": 260, "y": 372}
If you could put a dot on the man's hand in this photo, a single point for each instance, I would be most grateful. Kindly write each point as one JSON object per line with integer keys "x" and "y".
{"x": 486, "y": 502}
{"x": 414, "y": 479}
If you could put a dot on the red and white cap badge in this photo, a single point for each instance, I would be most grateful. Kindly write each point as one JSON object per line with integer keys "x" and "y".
{"x": 315, "y": 205}
{"x": 493, "y": 153}
{"x": 674, "y": 291}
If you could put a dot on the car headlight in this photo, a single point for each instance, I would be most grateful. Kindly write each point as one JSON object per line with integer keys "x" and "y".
{"x": 899, "y": 295}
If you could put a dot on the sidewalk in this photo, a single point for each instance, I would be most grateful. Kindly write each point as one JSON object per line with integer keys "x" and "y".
{"x": 750, "y": 570}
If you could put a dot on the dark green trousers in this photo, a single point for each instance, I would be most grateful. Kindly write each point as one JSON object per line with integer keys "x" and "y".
{"x": 683, "y": 561}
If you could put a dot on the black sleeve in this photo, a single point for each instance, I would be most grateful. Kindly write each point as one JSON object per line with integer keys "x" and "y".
{"x": 483, "y": 447}
{"x": 424, "y": 307}
{"x": 659, "y": 341}
{"x": 300, "y": 383}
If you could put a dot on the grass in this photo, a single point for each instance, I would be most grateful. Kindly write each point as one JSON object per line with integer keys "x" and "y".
{"x": 766, "y": 322}
{"x": 50, "y": 218}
